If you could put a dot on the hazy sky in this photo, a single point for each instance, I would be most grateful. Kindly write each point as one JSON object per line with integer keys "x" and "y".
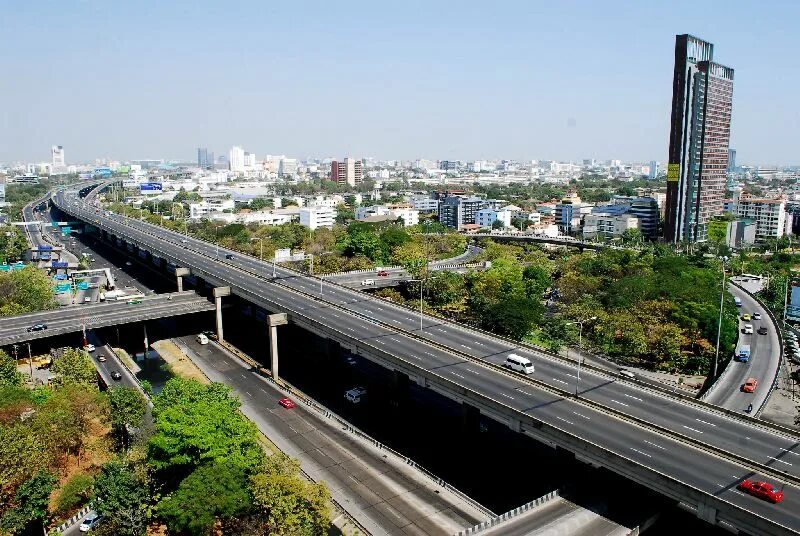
{"x": 388, "y": 79}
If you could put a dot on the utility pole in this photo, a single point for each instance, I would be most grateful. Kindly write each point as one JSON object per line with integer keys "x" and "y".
{"x": 719, "y": 322}
{"x": 30, "y": 359}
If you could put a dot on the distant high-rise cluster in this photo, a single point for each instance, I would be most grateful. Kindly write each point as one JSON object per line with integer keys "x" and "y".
{"x": 702, "y": 97}
{"x": 205, "y": 159}
{"x": 348, "y": 171}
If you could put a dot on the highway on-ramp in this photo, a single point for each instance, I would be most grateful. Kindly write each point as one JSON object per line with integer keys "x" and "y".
{"x": 353, "y": 312}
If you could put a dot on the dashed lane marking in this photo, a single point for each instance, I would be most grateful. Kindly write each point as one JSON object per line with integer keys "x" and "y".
{"x": 640, "y": 452}
{"x": 692, "y": 429}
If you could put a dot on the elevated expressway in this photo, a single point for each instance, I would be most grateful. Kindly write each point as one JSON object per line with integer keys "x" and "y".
{"x": 14, "y": 329}
{"x": 685, "y": 449}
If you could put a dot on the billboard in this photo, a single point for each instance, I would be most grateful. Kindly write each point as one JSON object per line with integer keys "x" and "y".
{"x": 673, "y": 172}
{"x": 151, "y": 188}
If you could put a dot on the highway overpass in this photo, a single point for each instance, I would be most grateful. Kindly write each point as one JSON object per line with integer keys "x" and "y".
{"x": 685, "y": 449}
{"x": 14, "y": 329}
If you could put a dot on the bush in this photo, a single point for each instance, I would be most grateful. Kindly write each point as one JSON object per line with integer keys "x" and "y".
{"x": 75, "y": 492}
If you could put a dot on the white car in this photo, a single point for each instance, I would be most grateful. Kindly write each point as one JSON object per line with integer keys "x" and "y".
{"x": 90, "y": 522}
{"x": 748, "y": 329}
{"x": 756, "y": 316}
{"x": 89, "y": 348}
{"x": 367, "y": 282}
{"x": 627, "y": 373}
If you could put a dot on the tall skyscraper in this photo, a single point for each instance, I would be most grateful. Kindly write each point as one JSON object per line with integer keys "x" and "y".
{"x": 702, "y": 97}
{"x": 731, "y": 160}
{"x": 57, "y": 151}
{"x": 349, "y": 171}
{"x": 236, "y": 159}
{"x": 205, "y": 160}
{"x": 653, "y": 170}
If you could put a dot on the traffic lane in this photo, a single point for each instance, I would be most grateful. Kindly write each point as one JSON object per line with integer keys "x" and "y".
{"x": 111, "y": 365}
{"x": 262, "y": 399}
{"x": 242, "y": 278}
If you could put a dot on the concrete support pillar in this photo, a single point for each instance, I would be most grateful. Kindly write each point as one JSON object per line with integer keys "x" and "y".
{"x": 179, "y": 273}
{"x": 274, "y": 321}
{"x": 706, "y": 512}
{"x": 219, "y": 292}
{"x": 401, "y": 386}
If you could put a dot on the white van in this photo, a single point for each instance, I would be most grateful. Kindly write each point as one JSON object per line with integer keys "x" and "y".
{"x": 519, "y": 363}
{"x": 202, "y": 339}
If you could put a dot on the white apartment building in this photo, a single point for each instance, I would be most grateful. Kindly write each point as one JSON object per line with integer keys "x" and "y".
{"x": 209, "y": 206}
{"x": 605, "y": 225}
{"x": 57, "y": 152}
{"x": 287, "y": 167}
{"x": 330, "y": 201}
{"x": 249, "y": 160}
{"x": 260, "y": 217}
{"x": 768, "y": 214}
{"x": 236, "y": 159}
{"x": 409, "y": 214}
{"x": 487, "y": 216}
{"x": 424, "y": 203}
{"x": 315, "y": 217}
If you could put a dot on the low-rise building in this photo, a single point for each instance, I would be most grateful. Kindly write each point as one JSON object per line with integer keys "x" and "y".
{"x": 455, "y": 211}
{"x": 487, "y": 216}
{"x": 316, "y": 217}
{"x": 607, "y": 226}
{"x": 208, "y": 206}
{"x": 409, "y": 214}
{"x": 768, "y": 214}
{"x": 424, "y": 204}
{"x": 569, "y": 213}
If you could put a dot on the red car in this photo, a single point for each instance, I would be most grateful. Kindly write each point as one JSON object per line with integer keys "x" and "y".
{"x": 383, "y": 273}
{"x": 750, "y": 385}
{"x": 286, "y": 403}
{"x": 762, "y": 490}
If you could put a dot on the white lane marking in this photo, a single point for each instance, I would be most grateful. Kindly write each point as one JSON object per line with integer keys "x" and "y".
{"x": 789, "y": 451}
{"x": 479, "y": 343}
{"x": 777, "y": 460}
{"x": 415, "y": 357}
{"x": 654, "y": 445}
{"x": 263, "y": 391}
{"x": 507, "y": 396}
{"x": 334, "y": 314}
{"x": 633, "y": 397}
{"x": 248, "y": 394}
{"x": 430, "y": 354}
{"x": 565, "y": 420}
{"x": 467, "y": 347}
{"x": 397, "y": 321}
{"x": 705, "y": 422}
{"x": 526, "y": 393}
{"x": 244, "y": 376}
{"x": 381, "y": 342}
{"x": 457, "y": 374}
{"x": 582, "y": 416}
{"x": 620, "y": 403}
{"x": 559, "y": 381}
{"x": 368, "y": 311}
{"x": 692, "y": 429}
{"x": 474, "y": 372}
{"x": 439, "y": 329}
{"x": 640, "y": 452}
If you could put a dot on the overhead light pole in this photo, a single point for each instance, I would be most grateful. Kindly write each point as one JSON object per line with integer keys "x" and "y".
{"x": 421, "y": 282}
{"x": 719, "y": 321}
{"x": 580, "y": 344}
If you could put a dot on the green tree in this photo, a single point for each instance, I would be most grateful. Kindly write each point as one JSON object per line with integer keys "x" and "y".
{"x": 123, "y": 499}
{"x": 632, "y": 236}
{"x": 30, "y": 505}
{"x": 73, "y": 493}
{"x": 74, "y": 367}
{"x": 128, "y": 407}
{"x": 215, "y": 490}
{"x": 498, "y": 225}
{"x": 9, "y": 375}
{"x": 288, "y": 505}
{"x": 24, "y": 291}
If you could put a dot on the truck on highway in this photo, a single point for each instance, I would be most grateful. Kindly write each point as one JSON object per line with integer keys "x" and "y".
{"x": 744, "y": 353}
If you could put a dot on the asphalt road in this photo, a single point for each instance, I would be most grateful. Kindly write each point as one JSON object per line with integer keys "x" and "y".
{"x": 70, "y": 319}
{"x": 716, "y": 476}
{"x": 386, "y": 497}
{"x": 764, "y": 361}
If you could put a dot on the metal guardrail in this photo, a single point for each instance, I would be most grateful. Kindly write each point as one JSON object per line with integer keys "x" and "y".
{"x": 723, "y": 453}
{"x": 511, "y": 514}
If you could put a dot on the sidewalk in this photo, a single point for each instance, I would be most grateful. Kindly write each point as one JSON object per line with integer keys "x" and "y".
{"x": 783, "y": 406}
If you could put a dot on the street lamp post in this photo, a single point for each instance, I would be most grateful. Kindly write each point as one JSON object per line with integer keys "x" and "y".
{"x": 580, "y": 344}
{"x": 260, "y": 239}
{"x": 421, "y": 282}
{"x": 719, "y": 322}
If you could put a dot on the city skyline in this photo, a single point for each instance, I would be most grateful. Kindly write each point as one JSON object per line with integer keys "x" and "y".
{"x": 524, "y": 82}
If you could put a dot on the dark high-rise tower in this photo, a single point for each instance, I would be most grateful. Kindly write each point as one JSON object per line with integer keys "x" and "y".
{"x": 702, "y": 96}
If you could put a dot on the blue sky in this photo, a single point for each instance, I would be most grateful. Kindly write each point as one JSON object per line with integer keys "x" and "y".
{"x": 403, "y": 79}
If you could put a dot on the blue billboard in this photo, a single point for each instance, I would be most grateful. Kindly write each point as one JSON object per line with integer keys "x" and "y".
{"x": 102, "y": 172}
{"x": 151, "y": 187}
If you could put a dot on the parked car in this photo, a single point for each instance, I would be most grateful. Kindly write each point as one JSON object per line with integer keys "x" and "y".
{"x": 286, "y": 403}
{"x": 762, "y": 330}
{"x": 37, "y": 327}
{"x": 750, "y": 385}
{"x": 90, "y": 522}
{"x": 116, "y": 375}
{"x": 762, "y": 490}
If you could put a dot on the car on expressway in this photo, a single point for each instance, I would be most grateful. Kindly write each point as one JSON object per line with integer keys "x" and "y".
{"x": 762, "y": 490}
{"x": 762, "y": 330}
{"x": 134, "y": 302}
{"x": 101, "y": 358}
{"x": 750, "y": 385}
{"x": 89, "y": 348}
{"x": 286, "y": 403}
{"x": 756, "y": 316}
{"x": 746, "y": 317}
{"x": 383, "y": 273}
{"x": 748, "y": 329}
{"x": 116, "y": 375}
{"x": 37, "y": 327}
{"x": 90, "y": 522}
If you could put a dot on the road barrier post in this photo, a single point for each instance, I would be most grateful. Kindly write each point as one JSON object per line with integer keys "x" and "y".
{"x": 179, "y": 273}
